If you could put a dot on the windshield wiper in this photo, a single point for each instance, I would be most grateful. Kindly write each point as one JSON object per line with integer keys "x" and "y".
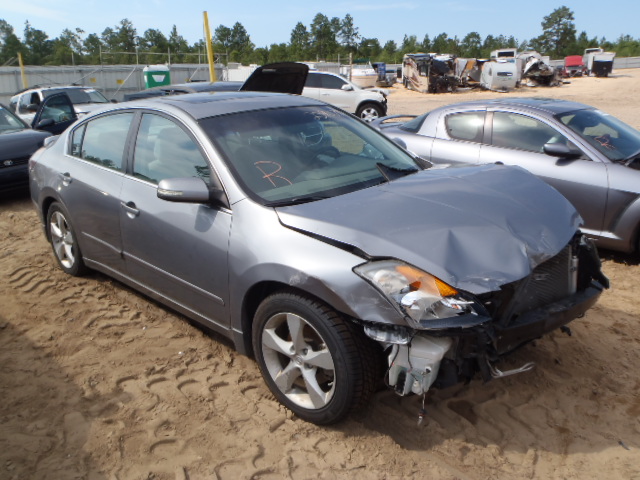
{"x": 391, "y": 173}
{"x": 631, "y": 158}
{"x": 297, "y": 200}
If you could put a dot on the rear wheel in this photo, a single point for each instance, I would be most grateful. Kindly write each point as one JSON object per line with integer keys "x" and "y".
{"x": 369, "y": 112}
{"x": 316, "y": 364}
{"x": 64, "y": 242}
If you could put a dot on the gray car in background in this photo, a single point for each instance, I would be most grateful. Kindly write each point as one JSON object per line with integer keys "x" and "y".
{"x": 591, "y": 157}
{"x": 316, "y": 244}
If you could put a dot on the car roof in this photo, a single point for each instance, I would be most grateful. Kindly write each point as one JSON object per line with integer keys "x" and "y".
{"x": 209, "y": 104}
{"x": 552, "y": 106}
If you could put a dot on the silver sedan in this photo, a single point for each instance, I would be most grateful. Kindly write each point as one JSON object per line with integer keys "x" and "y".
{"x": 589, "y": 156}
{"x": 314, "y": 242}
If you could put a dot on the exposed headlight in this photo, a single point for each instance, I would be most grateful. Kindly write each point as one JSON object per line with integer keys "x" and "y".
{"x": 420, "y": 295}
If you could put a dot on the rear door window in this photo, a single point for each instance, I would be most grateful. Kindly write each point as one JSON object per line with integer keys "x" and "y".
{"x": 466, "y": 126}
{"x": 102, "y": 141}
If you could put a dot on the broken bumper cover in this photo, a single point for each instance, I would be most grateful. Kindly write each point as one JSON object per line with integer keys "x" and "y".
{"x": 534, "y": 324}
{"x": 450, "y": 351}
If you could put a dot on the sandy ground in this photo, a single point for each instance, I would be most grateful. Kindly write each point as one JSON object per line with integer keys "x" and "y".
{"x": 98, "y": 382}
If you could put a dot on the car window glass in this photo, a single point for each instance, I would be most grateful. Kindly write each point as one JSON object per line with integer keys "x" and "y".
{"x": 512, "y": 130}
{"x": 466, "y": 126}
{"x": 105, "y": 138}
{"x": 57, "y": 109}
{"x": 329, "y": 81}
{"x": 9, "y": 122}
{"x": 25, "y": 101}
{"x": 76, "y": 140}
{"x": 611, "y": 136}
{"x": 13, "y": 104}
{"x": 79, "y": 95}
{"x": 282, "y": 155}
{"x": 313, "y": 81}
{"x": 164, "y": 150}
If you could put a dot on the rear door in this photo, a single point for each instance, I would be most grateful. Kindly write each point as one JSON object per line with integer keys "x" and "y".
{"x": 177, "y": 250}
{"x": 90, "y": 182}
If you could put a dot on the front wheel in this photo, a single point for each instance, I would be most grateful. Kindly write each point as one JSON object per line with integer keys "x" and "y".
{"x": 369, "y": 112}
{"x": 64, "y": 242}
{"x": 316, "y": 364}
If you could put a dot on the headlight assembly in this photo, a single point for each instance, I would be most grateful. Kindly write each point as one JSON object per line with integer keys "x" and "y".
{"x": 418, "y": 294}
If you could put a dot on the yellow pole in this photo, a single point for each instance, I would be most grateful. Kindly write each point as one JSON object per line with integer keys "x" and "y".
{"x": 22, "y": 72}
{"x": 207, "y": 33}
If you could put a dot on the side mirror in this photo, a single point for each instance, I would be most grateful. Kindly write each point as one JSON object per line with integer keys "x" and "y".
{"x": 562, "y": 151}
{"x": 346, "y": 87}
{"x": 190, "y": 190}
{"x": 400, "y": 142}
{"x": 113, "y": 100}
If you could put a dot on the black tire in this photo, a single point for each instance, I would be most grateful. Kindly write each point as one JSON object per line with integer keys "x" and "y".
{"x": 369, "y": 112}
{"x": 64, "y": 242}
{"x": 333, "y": 354}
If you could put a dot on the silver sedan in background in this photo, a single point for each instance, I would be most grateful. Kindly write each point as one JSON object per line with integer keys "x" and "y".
{"x": 314, "y": 242}
{"x": 591, "y": 157}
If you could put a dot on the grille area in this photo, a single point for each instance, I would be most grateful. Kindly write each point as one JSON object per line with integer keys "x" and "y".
{"x": 549, "y": 282}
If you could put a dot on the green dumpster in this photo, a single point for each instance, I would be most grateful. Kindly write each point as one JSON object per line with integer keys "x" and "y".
{"x": 156, "y": 75}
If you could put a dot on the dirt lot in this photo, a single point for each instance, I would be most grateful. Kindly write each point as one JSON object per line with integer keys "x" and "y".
{"x": 98, "y": 382}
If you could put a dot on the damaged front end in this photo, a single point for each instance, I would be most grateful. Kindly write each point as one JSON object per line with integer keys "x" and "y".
{"x": 452, "y": 335}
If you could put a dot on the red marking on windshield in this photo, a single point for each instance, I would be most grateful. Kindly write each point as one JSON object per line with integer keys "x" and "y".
{"x": 271, "y": 176}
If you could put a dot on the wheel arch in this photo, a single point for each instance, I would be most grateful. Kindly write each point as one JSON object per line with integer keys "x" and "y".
{"x": 256, "y": 295}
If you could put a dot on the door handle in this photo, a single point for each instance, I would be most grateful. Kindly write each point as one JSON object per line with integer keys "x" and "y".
{"x": 130, "y": 208}
{"x": 66, "y": 178}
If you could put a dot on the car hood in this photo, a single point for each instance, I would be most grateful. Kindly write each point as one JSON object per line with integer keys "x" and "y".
{"x": 20, "y": 143}
{"x": 476, "y": 228}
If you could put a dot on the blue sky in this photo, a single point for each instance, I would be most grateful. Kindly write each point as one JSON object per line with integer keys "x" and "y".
{"x": 272, "y": 22}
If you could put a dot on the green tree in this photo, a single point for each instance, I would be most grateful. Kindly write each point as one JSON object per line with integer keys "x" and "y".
{"x": 410, "y": 44}
{"x": 300, "y": 42}
{"x": 558, "y": 33}
{"x": 38, "y": 46}
{"x": 10, "y": 44}
{"x": 323, "y": 37}
{"x": 426, "y": 44}
{"x": 348, "y": 34}
{"x": 92, "y": 46}
{"x": 155, "y": 42}
{"x": 471, "y": 45}
{"x": 390, "y": 53}
{"x": 178, "y": 45}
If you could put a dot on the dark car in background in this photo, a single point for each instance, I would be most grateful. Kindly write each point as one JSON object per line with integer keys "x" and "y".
{"x": 182, "y": 88}
{"x": 365, "y": 103}
{"x": 589, "y": 156}
{"x": 17, "y": 143}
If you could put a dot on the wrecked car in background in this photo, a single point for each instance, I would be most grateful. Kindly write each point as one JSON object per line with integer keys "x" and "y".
{"x": 506, "y": 70}
{"x": 316, "y": 244}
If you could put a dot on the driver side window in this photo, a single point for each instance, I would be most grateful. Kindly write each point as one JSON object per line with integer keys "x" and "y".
{"x": 512, "y": 130}
{"x": 164, "y": 150}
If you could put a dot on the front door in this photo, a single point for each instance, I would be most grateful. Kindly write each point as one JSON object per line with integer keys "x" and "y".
{"x": 178, "y": 250}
